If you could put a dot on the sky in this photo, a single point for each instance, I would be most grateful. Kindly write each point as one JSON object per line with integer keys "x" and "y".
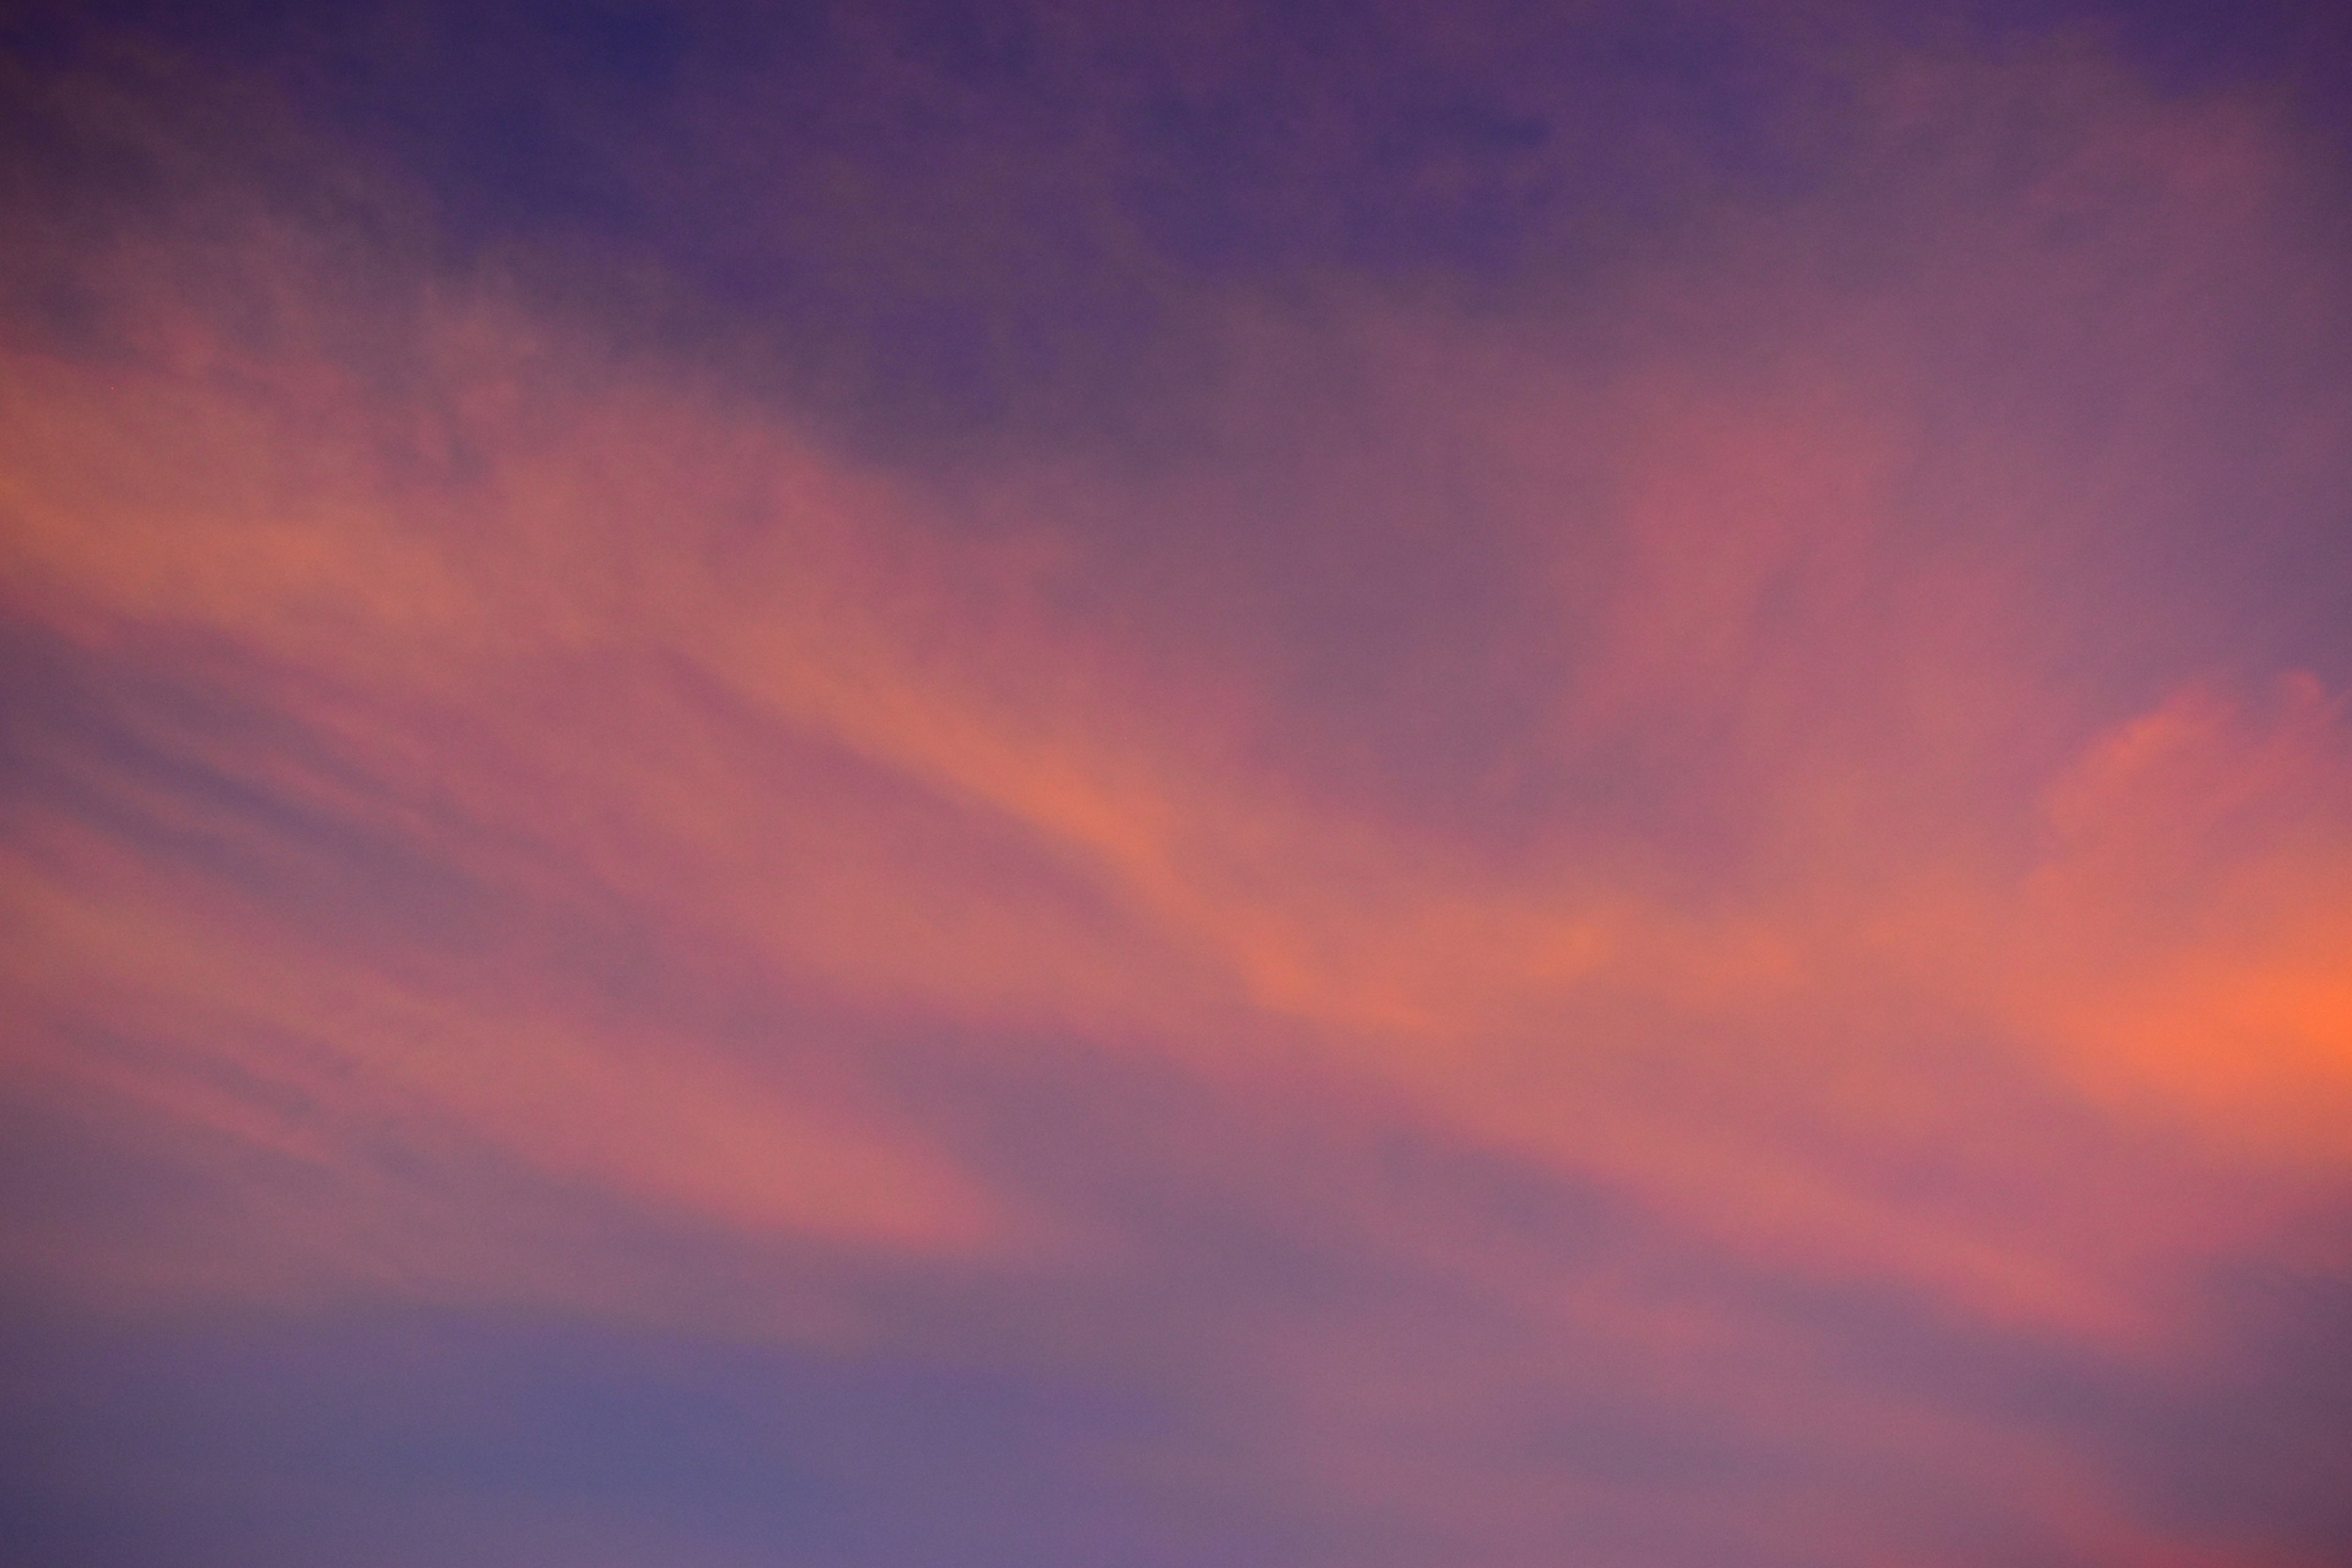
{"x": 1275, "y": 784}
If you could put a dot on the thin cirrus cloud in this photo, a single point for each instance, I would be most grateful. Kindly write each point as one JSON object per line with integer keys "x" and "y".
{"x": 860, "y": 826}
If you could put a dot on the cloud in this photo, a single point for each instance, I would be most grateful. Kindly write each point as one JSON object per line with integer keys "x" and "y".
{"x": 1678, "y": 896}
{"x": 2190, "y": 924}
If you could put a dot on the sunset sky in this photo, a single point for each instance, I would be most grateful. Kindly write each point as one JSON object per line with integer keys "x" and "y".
{"x": 1232, "y": 785}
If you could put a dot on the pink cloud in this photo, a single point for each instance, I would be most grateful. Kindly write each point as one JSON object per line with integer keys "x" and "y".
{"x": 1792, "y": 785}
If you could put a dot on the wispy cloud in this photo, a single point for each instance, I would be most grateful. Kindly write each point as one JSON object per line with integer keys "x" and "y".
{"x": 1684, "y": 908}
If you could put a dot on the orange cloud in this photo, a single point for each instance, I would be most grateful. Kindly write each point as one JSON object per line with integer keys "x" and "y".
{"x": 522, "y": 750}
{"x": 2191, "y": 933}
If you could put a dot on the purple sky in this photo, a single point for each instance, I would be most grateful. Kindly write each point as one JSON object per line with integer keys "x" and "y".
{"x": 1295, "y": 787}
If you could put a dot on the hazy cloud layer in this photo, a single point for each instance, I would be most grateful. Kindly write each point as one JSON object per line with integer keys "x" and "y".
{"x": 1294, "y": 788}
